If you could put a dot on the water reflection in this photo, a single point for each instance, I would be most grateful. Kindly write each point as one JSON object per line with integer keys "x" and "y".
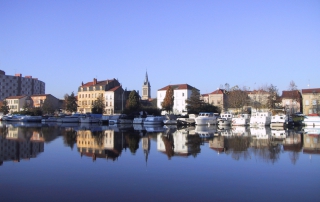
{"x": 26, "y": 140}
{"x": 18, "y": 143}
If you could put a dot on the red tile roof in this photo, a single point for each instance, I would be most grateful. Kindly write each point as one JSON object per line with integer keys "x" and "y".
{"x": 104, "y": 82}
{"x": 290, "y": 94}
{"x": 311, "y": 90}
{"x": 115, "y": 88}
{"x": 178, "y": 87}
{"x": 218, "y": 91}
{"x": 16, "y": 97}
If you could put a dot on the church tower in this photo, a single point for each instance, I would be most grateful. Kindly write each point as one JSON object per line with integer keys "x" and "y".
{"x": 146, "y": 89}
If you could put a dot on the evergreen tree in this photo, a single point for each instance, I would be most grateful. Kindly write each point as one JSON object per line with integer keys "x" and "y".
{"x": 194, "y": 103}
{"x": 71, "y": 103}
{"x": 98, "y": 106}
{"x": 4, "y": 108}
{"x": 168, "y": 101}
{"x": 133, "y": 103}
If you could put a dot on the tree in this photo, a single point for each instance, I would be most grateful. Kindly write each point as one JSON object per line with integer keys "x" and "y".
{"x": 237, "y": 98}
{"x": 98, "y": 106}
{"x": 292, "y": 86}
{"x": 47, "y": 107}
{"x": 4, "y": 108}
{"x": 168, "y": 101}
{"x": 71, "y": 103}
{"x": 194, "y": 103}
{"x": 133, "y": 103}
{"x": 273, "y": 96}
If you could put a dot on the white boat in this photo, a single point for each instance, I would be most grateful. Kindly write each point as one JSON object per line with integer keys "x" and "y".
{"x": 170, "y": 120}
{"x": 28, "y": 118}
{"x": 240, "y": 131}
{"x": 14, "y": 118}
{"x": 49, "y": 119}
{"x": 206, "y": 118}
{"x": 225, "y": 119}
{"x": 260, "y": 119}
{"x": 74, "y": 118}
{"x": 187, "y": 121}
{"x": 241, "y": 120}
{"x": 280, "y": 120}
{"x": 153, "y": 120}
{"x": 311, "y": 121}
{"x": 89, "y": 119}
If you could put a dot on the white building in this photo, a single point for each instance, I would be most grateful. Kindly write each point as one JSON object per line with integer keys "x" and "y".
{"x": 181, "y": 93}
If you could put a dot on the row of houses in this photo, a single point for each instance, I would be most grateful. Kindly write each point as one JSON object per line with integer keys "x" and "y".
{"x": 18, "y": 103}
{"x": 306, "y": 101}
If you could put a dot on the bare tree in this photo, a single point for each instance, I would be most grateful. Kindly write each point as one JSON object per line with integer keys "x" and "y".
{"x": 292, "y": 86}
{"x": 237, "y": 98}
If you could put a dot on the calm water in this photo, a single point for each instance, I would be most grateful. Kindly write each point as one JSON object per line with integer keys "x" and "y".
{"x": 132, "y": 163}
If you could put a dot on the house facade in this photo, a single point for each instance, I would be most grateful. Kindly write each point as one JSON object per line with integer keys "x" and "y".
{"x": 16, "y": 103}
{"x": 38, "y": 101}
{"x": 291, "y": 101}
{"x": 110, "y": 90}
{"x": 258, "y": 99}
{"x": 181, "y": 93}
{"x": 218, "y": 98}
{"x": 17, "y": 85}
{"x": 311, "y": 101}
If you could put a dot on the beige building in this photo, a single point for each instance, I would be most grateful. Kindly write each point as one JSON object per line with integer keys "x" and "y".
{"x": 16, "y": 103}
{"x": 110, "y": 90}
{"x": 291, "y": 101}
{"x": 311, "y": 101}
{"x": 38, "y": 100}
{"x": 218, "y": 98}
{"x": 258, "y": 99}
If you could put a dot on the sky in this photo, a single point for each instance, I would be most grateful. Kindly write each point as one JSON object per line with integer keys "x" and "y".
{"x": 205, "y": 44}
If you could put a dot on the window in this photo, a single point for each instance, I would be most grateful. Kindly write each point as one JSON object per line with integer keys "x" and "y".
{"x": 307, "y": 102}
{"x": 182, "y": 94}
{"x": 314, "y": 102}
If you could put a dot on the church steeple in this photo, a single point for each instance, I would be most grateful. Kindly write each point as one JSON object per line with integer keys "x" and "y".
{"x": 146, "y": 88}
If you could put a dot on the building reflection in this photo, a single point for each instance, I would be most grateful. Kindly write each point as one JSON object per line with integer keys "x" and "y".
{"x": 99, "y": 143}
{"x": 18, "y": 143}
{"x": 180, "y": 143}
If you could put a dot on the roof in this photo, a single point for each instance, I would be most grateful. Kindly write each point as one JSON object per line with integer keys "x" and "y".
{"x": 40, "y": 95}
{"x": 104, "y": 82}
{"x": 290, "y": 94}
{"x": 311, "y": 90}
{"x": 218, "y": 91}
{"x": 16, "y": 97}
{"x": 179, "y": 87}
{"x": 258, "y": 91}
{"x": 115, "y": 88}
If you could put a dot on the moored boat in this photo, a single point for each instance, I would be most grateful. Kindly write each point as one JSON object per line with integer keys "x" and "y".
{"x": 187, "y": 121}
{"x": 280, "y": 120}
{"x": 260, "y": 119}
{"x": 241, "y": 120}
{"x": 153, "y": 120}
{"x": 311, "y": 120}
{"x": 206, "y": 118}
{"x": 225, "y": 119}
{"x": 74, "y": 118}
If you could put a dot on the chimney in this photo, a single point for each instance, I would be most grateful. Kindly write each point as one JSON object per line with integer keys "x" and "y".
{"x": 82, "y": 83}
{"x": 94, "y": 81}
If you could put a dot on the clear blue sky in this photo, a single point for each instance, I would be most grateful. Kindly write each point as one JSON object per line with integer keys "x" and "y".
{"x": 202, "y": 43}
